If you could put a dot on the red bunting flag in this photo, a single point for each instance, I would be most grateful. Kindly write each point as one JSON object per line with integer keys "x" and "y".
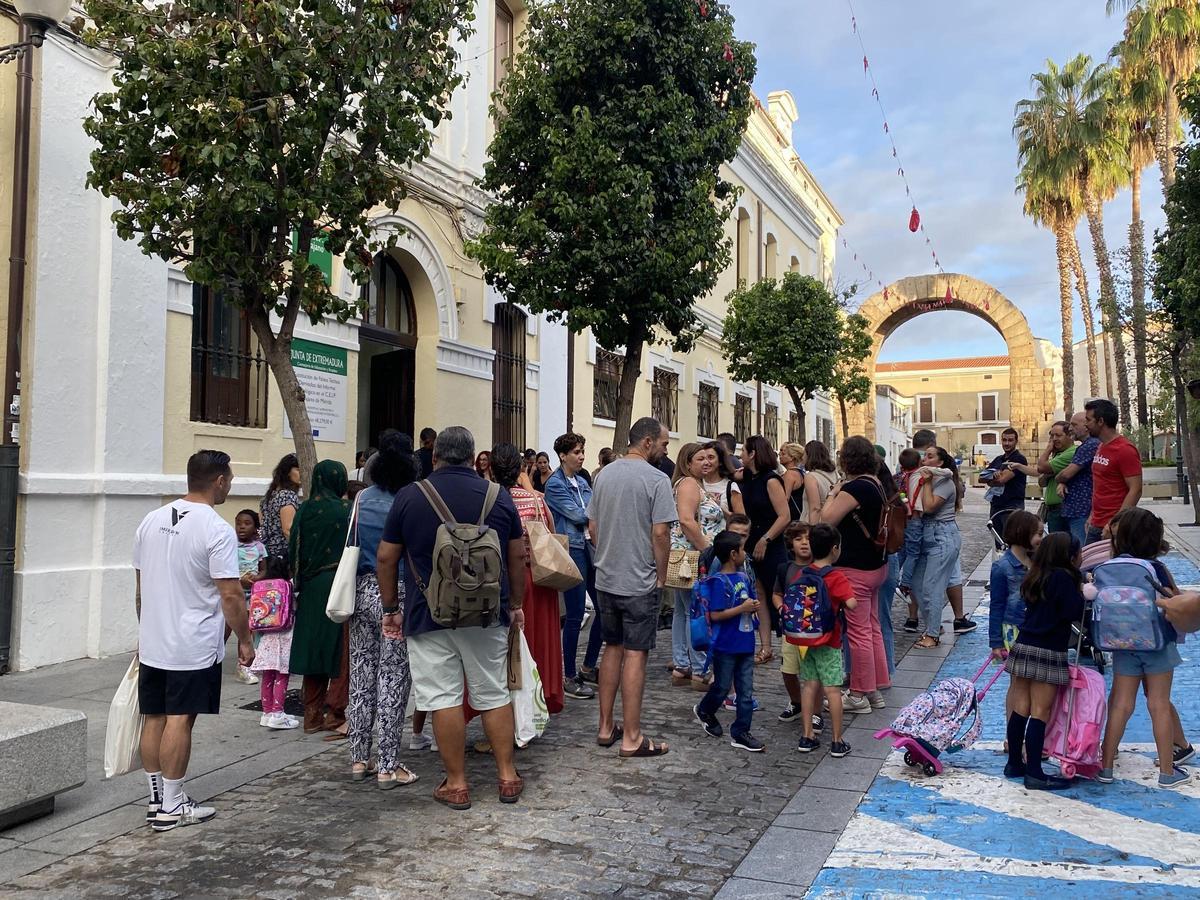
{"x": 864, "y": 64}
{"x": 949, "y": 295}
{"x": 885, "y": 293}
{"x": 914, "y": 220}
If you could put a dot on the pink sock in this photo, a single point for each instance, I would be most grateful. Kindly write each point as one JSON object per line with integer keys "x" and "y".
{"x": 281, "y": 686}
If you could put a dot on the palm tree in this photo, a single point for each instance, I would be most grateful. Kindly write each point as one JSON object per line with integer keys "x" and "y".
{"x": 1142, "y": 98}
{"x": 1089, "y": 320}
{"x": 1165, "y": 35}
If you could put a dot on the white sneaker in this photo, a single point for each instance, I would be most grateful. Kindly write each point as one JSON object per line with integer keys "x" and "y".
{"x": 281, "y": 721}
{"x": 853, "y": 704}
{"x": 245, "y": 676}
{"x": 419, "y": 741}
{"x": 265, "y": 719}
{"x": 187, "y": 812}
{"x": 875, "y": 698}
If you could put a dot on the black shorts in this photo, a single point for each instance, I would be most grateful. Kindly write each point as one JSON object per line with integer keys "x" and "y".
{"x": 187, "y": 692}
{"x": 629, "y": 622}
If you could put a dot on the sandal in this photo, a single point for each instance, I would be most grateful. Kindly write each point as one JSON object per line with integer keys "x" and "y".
{"x": 389, "y": 780}
{"x": 680, "y": 676}
{"x": 367, "y": 770}
{"x": 647, "y": 748}
{"x": 763, "y": 657}
{"x": 482, "y": 747}
{"x": 510, "y": 791}
{"x": 928, "y": 642}
{"x": 617, "y": 733}
{"x": 455, "y": 798}
{"x": 701, "y": 684}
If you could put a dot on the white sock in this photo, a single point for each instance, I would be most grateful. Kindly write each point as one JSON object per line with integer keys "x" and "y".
{"x": 156, "y": 786}
{"x": 172, "y": 794}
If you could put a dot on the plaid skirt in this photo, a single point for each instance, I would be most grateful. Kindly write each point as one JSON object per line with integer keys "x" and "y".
{"x": 1038, "y": 664}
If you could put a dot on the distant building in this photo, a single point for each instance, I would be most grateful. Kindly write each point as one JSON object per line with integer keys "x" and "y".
{"x": 893, "y": 421}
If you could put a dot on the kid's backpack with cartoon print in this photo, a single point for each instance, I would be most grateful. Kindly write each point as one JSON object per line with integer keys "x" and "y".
{"x": 271, "y": 606}
{"x": 1124, "y": 613}
{"x": 808, "y": 616}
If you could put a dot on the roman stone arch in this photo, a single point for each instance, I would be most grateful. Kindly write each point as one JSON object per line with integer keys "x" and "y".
{"x": 1031, "y": 387}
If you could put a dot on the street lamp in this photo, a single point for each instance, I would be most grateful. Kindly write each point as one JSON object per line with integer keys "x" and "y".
{"x": 37, "y": 17}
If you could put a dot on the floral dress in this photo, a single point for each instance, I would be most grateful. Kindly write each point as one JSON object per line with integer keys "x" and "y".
{"x": 709, "y": 515}
{"x": 272, "y": 528}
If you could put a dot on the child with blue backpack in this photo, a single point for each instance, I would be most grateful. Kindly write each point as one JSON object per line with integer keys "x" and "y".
{"x": 1138, "y": 536}
{"x": 811, "y": 599}
{"x": 730, "y": 612}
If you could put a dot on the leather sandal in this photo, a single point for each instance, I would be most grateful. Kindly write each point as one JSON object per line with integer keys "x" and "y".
{"x": 399, "y": 778}
{"x": 510, "y": 791}
{"x": 455, "y": 798}
{"x": 928, "y": 642}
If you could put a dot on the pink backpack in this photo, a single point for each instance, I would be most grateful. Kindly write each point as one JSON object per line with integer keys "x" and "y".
{"x": 939, "y": 714}
{"x": 271, "y": 605}
{"x": 1077, "y": 723}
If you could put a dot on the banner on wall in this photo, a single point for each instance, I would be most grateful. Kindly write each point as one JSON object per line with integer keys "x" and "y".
{"x": 322, "y": 371}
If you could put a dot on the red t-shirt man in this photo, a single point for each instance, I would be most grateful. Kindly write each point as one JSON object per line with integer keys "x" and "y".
{"x": 1113, "y": 463}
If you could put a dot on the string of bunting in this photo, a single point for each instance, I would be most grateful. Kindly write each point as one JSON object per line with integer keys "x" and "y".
{"x": 858, "y": 262}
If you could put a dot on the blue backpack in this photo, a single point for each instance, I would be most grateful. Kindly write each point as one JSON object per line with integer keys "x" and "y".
{"x": 702, "y": 630}
{"x": 1124, "y": 613}
{"x": 808, "y": 616}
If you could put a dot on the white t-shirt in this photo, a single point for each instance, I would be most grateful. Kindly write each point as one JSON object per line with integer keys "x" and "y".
{"x": 180, "y": 550}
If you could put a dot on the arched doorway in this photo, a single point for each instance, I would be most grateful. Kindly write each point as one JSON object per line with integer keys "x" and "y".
{"x": 1032, "y": 398}
{"x": 387, "y": 352}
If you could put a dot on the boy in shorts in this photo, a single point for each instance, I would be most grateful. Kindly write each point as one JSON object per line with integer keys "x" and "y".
{"x": 821, "y": 665}
{"x": 797, "y": 540}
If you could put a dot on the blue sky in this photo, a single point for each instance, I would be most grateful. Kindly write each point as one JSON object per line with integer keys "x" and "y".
{"x": 949, "y": 74}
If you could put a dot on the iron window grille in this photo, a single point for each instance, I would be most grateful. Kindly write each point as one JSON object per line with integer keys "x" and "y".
{"x": 741, "y": 418}
{"x": 606, "y": 384}
{"x": 508, "y": 380}
{"x": 229, "y": 371}
{"x": 708, "y": 409}
{"x": 664, "y": 398}
{"x": 771, "y": 423}
{"x": 794, "y": 427}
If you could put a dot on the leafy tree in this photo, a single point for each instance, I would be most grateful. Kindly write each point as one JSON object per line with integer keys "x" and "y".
{"x": 611, "y": 209}
{"x": 787, "y": 333}
{"x": 851, "y": 383}
{"x": 237, "y": 135}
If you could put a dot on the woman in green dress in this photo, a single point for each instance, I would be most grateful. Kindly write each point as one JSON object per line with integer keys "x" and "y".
{"x": 315, "y": 547}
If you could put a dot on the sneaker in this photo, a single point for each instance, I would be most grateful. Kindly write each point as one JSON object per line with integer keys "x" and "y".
{"x": 1105, "y": 776}
{"x": 838, "y": 749}
{"x": 420, "y": 741}
{"x": 876, "y": 700}
{"x": 790, "y": 713}
{"x": 578, "y": 688}
{"x": 853, "y": 704}
{"x": 1178, "y": 777}
{"x": 748, "y": 742}
{"x": 807, "y": 745}
{"x": 710, "y": 724}
{"x": 245, "y": 676}
{"x": 264, "y": 719}
{"x": 818, "y": 723}
{"x": 281, "y": 721}
{"x": 1180, "y": 755}
{"x": 152, "y": 809}
{"x": 591, "y": 676}
{"x": 188, "y": 812}
{"x": 910, "y": 625}
{"x": 964, "y": 625}
{"x": 731, "y": 704}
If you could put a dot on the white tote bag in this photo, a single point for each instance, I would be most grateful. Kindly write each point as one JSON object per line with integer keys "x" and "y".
{"x": 529, "y": 702}
{"x": 123, "y": 739}
{"x": 341, "y": 595}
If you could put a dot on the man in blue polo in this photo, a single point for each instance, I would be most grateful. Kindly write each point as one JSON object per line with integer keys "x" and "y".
{"x": 1075, "y": 481}
{"x": 442, "y": 657}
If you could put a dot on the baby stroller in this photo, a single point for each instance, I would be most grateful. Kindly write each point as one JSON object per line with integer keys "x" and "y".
{"x": 933, "y": 723}
{"x": 1077, "y": 718}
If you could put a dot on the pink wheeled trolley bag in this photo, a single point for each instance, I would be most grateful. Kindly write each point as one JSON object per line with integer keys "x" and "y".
{"x": 1077, "y": 722}
{"x": 935, "y": 722}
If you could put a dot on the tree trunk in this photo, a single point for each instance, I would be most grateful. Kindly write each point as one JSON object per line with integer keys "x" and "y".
{"x": 1062, "y": 248}
{"x": 631, "y": 370}
{"x": 1163, "y": 151}
{"x": 1185, "y": 438}
{"x": 800, "y": 415}
{"x": 845, "y": 421}
{"x": 1089, "y": 322}
{"x": 1169, "y": 123}
{"x": 278, "y": 351}
{"x": 1137, "y": 261}
{"x": 1108, "y": 301}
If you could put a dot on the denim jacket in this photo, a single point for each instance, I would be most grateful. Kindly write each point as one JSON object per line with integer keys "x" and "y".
{"x": 569, "y": 507}
{"x": 1007, "y": 607}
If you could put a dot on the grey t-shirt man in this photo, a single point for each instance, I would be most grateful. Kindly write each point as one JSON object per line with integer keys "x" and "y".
{"x": 631, "y": 497}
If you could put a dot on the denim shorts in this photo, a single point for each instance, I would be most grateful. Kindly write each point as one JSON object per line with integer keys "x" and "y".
{"x": 1137, "y": 663}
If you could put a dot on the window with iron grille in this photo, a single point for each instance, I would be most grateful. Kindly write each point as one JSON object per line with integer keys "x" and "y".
{"x": 508, "y": 378}
{"x": 826, "y": 433}
{"x": 794, "y": 427}
{"x": 664, "y": 398}
{"x": 229, "y": 371}
{"x": 771, "y": 424}
{"x": 708, "y": 411}
{"x": 741, "y": 418}
{"x": 606, "y": 383}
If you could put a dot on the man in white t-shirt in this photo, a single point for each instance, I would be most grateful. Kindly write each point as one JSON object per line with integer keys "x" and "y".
{"x": 188, "y": 588}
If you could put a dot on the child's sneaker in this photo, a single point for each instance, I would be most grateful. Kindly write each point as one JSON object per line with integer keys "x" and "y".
{"x": 731, "y": 703}
{"x": 748, "y": 742}
{"x": 790, "y": 713}
{"x": 710, "y": 724}
{"x": 281, "y": 721}
{"x": 807, "y": 745}
{"x": 838, "y": 749}
{"x": 818, "y": 724}
{"x": 420, "y": 741}
{"x": 876, "y": 700}
{"x": 1105, "y": 776}
{"x": 1177, "y": 778}
{"x": 859, "y": 704}
{"x": 910, "y": 625}
{"x": 245, "y": 676}
{"x": 965, "y": 625}
{"x": 1180, "y": 755}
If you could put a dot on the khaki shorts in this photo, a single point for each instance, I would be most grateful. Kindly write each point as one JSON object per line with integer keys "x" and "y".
{"x": 442, "y": 660}
{"x": 791, "y": 657}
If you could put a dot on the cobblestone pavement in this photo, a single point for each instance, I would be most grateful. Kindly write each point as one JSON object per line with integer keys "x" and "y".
{"x": 588, "y": 823}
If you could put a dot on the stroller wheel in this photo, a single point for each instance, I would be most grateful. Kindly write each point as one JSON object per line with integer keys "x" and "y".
{"x": 909, "y": 759}
{"x": 929, "y": 770}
